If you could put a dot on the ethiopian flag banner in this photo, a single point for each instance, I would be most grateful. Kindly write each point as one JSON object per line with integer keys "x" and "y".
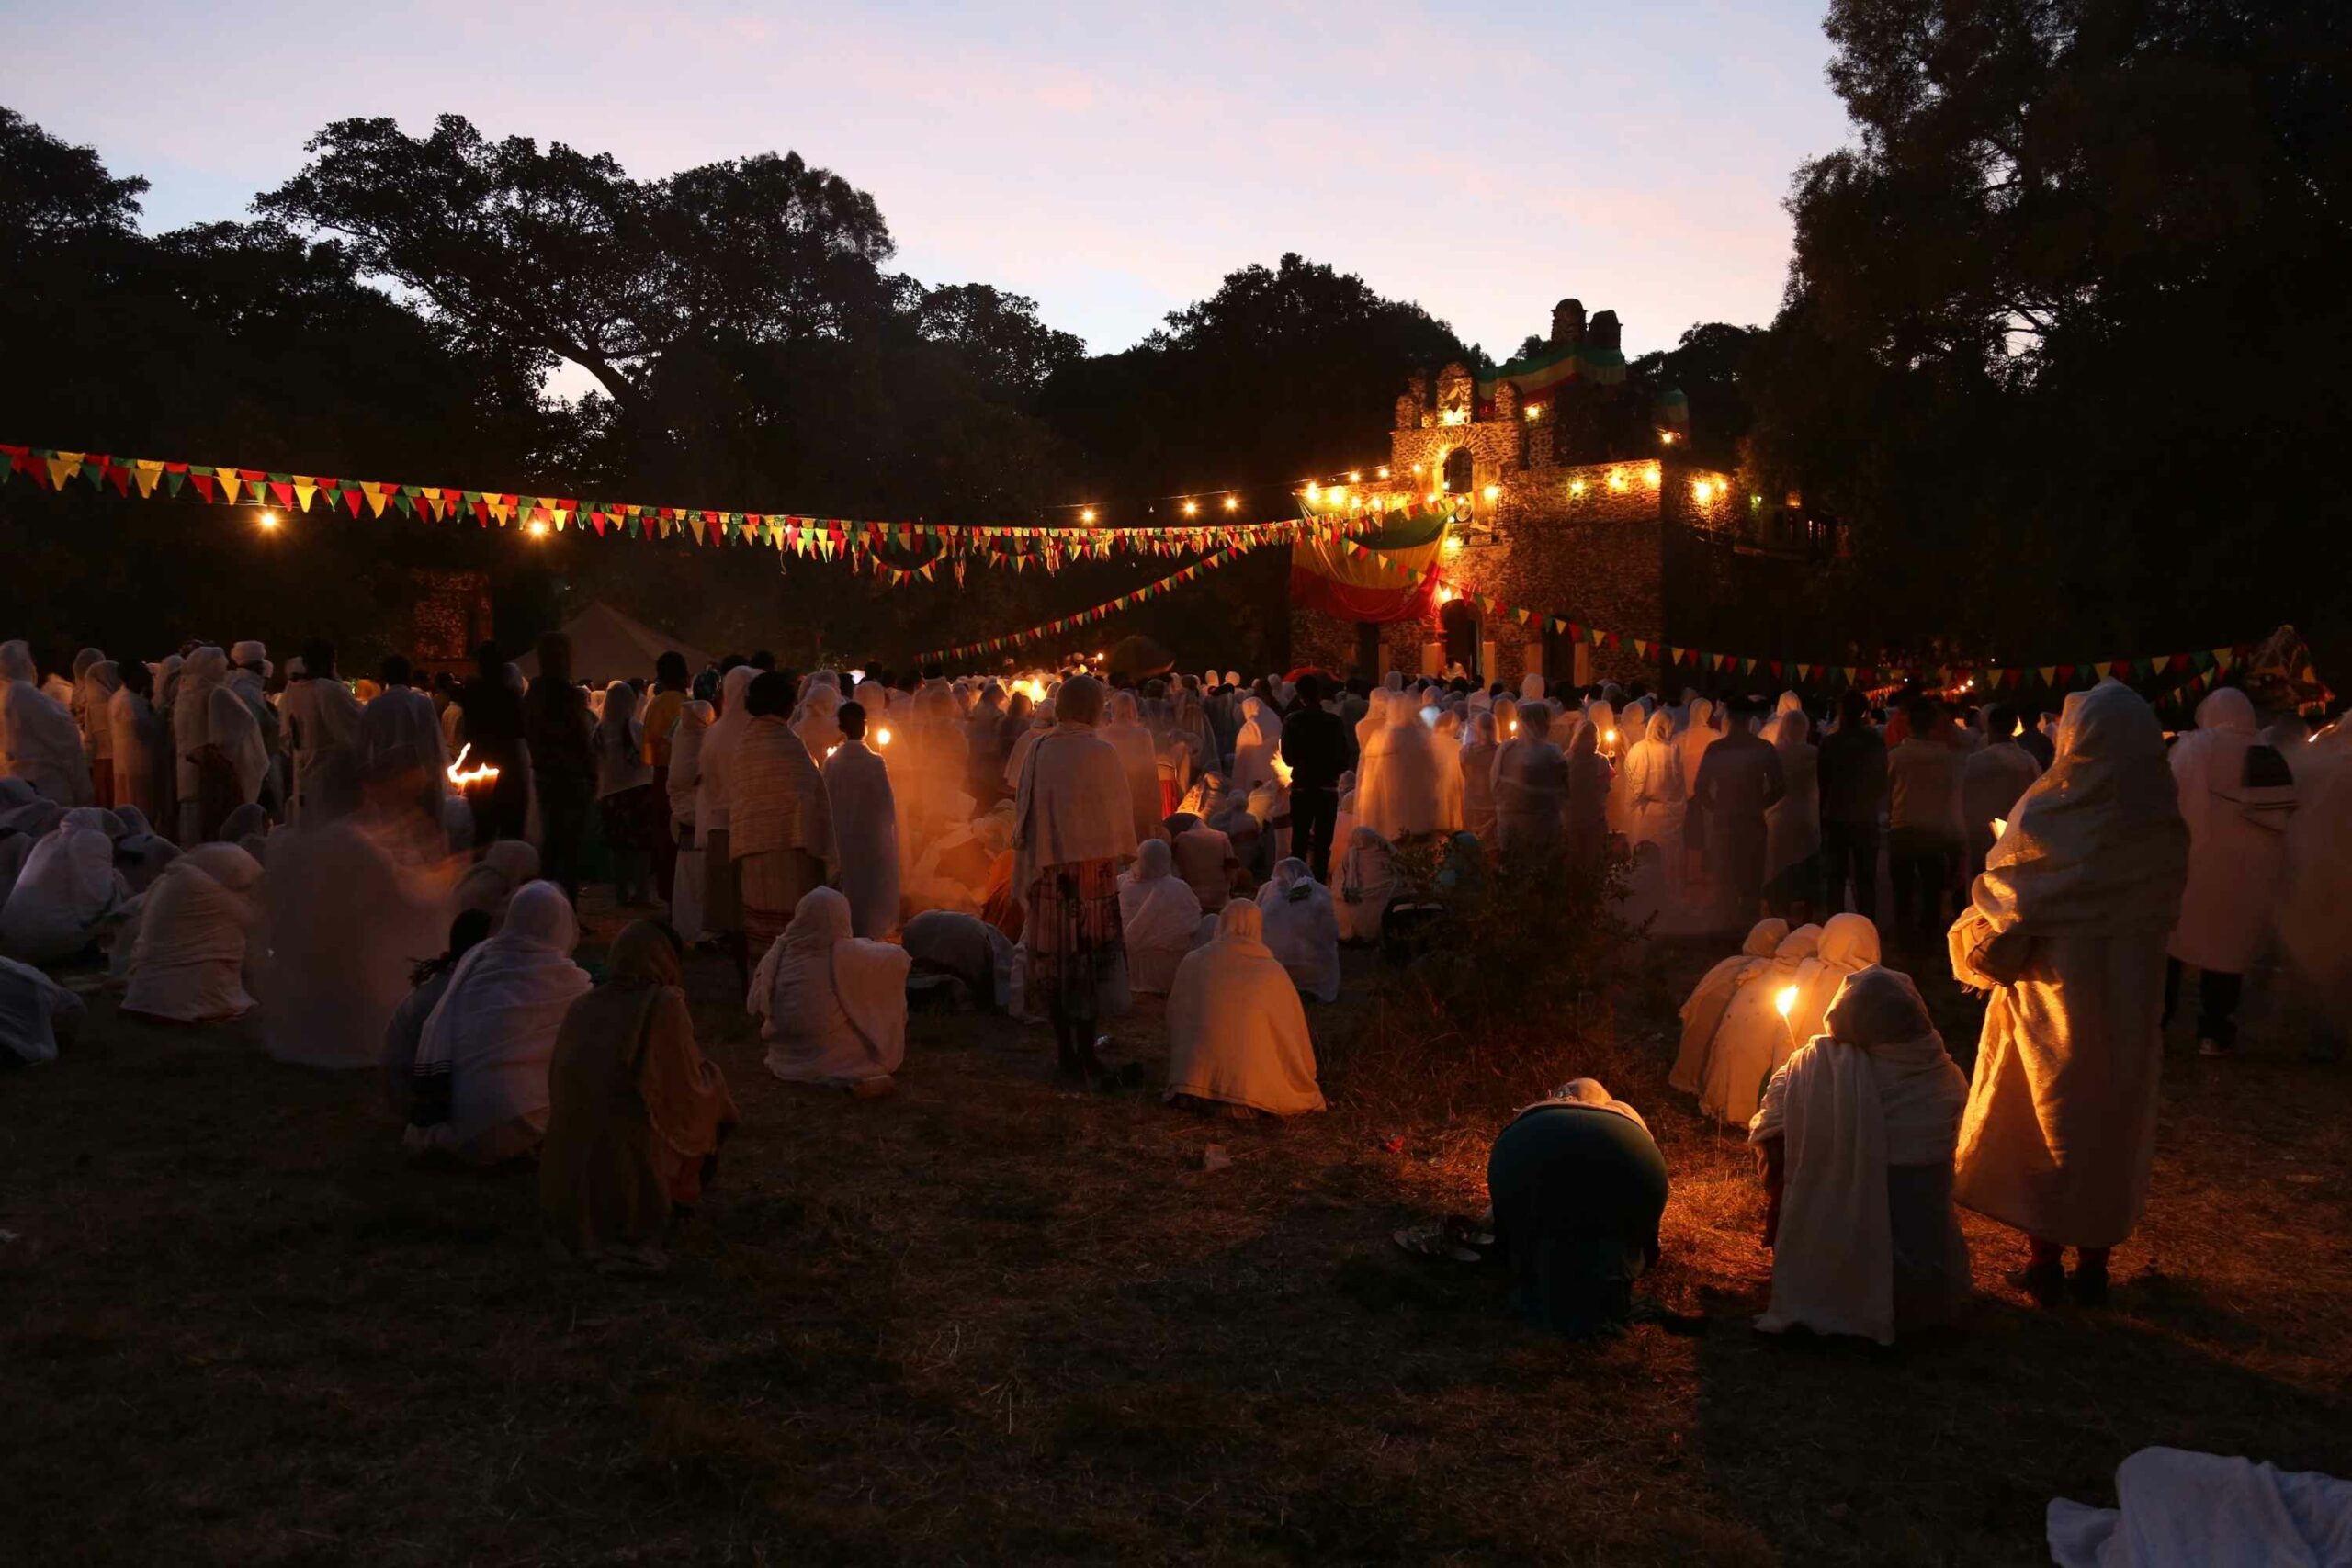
{"x": 1538, "y": 377}
{"x": 1325, "y": 575}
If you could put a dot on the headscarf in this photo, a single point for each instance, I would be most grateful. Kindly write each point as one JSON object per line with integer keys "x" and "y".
{"x": 1080, "y": 702}
{"x": 501, "y": 1009}
{"x": 685, "y": 758}
{"x": 2098, "y": 843}
{"x": 714, "y": 797}
{"x": 867, "y": 978}
{"x": 2211, "y": 758}
{"x": 619, "y": 743}
{"x": 230, "y": 725}
{"x": 1877, "y": 1007}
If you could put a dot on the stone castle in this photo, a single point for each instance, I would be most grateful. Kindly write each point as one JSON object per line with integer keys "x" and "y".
{"x": 1573, "y": 494}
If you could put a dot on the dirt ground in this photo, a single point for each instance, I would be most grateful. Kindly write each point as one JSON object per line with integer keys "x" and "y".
{"x": 994, "y": 1319}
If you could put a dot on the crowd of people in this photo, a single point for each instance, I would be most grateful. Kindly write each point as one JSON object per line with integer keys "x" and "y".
{"x": 387, "y": 874}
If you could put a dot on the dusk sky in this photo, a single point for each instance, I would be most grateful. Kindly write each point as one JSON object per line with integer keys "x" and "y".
{"x": 1112, "y": 162}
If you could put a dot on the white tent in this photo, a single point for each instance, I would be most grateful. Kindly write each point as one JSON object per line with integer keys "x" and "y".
{"x": 608, "y": 645}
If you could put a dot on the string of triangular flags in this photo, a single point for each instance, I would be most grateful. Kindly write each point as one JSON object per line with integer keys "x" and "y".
{"x": 1086, "y": 617}
{"x": 2203, "y": 667}
{"x": 825, "y": 538}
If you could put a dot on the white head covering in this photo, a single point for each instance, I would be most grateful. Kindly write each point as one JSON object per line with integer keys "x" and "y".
{"x": 714, "y": 800}
{"x": 1237, "y": 1033}
{"x": 494, "y": 1031}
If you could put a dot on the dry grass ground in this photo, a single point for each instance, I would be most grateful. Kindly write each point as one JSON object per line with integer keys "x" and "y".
{"x": 994, "y": 1320}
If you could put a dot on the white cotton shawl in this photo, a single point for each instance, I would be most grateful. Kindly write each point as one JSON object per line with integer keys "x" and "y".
{"x": 39, "y": 742}
{"x": 833, "y": 1008}
{"x": 2237, "y": 843}
{"x": 1237, "y": 1033}
{"x": 1753, "y": 1038}
{"x": 1159, "y": 914}
{"x": 493, "y": 1031}
{"x": 714, "y": 796}
{"x": 865, "y": 836}
{"x": 1256, "y": 746}
{"x": 195, "y": 929}
{"x": 1702, "y": 1010}
{"x": 1877, "y": 1089}
{"x": 66, "y": 894}
{"x": 1399, "y": 785}
{"x": 1849, "y": 944}
{"x": 618, "y": 741}
{"x": 685, "y": 759}
{"x": 1367, "y": 878}
{"x": 2178, "y": 1509}
{"x": 1072, "y": 804}
{"x": 229, "y": 726}
{"x": 1302, "y": 930}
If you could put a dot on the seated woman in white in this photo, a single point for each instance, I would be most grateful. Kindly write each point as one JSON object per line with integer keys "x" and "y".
{"x": 67, "y": 893}
{"x": 1702, "y": 1010}
{"x": 1856, "y": 1134}
{"x": 1849, "y": 945}
{"x": 1302, "y": 930}
{"x": 1753, "y": 1038}
{"x": 1236, "y": 1034}
{"x": 833, "y": 1007}
{"x": 479, "y": 1089}
{"x": 196, "y": 927}
{"x": 1158, "y": 913}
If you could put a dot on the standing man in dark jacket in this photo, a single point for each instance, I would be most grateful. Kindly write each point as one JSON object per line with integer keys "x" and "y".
{"x": 1853, "y": 785}
{"x": 557, "y": 725}
{"x": 1315, "y": 746}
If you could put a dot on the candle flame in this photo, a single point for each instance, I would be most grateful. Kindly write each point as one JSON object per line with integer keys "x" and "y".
{"x": 1282, "y": 772}
{"x": 2000, "y": 826}
{"x": 1786, "y": 1000}
{"x": 462, "y": 777}
{"x": 882, "y": 737}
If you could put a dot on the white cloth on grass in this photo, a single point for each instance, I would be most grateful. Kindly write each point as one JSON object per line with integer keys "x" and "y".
{"x": 2178, "y": 1509}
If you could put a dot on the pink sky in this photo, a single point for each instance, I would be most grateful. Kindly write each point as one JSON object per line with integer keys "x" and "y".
{"x": 1112, "y": 162}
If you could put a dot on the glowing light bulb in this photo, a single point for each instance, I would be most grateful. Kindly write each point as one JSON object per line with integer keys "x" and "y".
{"x": 1338, "y": 494}
{"x": 1493, "y": 491}
{"x": 1086, "y": 515}
{"x": 1355, "y": 475}
{"x": 1382, "y": 471}
{"x": 1192, "y": 509}
{"x": 269, "y": 519}
{"x": 1433, "y": 498}
{"x": 1233, "y": 504}
{"x": 1666, "y": 437}
{"x": 882, "y": 738}
{"x": 1576, "y": 487}
{"x": 1701, "y": 491}
{"x": 1616, "y": 480}
{"x": 1534, "y": 411}
{"x": 1452, "y": 543}
{"x": 1787, "y": 1000}
{"x": 1652, "y": 475}
{"x": 1417, "y": 467}
{"x": 537, "y": 526}
{"x": 1313, "y": 490}
{"x": 1445, "y": 595}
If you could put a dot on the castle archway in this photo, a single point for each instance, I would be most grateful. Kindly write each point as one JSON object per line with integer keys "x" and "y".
{"x": 1457, "y": 622}
{"x": 1457, "y": 476}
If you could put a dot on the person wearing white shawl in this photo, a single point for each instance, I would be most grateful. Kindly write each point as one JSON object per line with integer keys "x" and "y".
{"x": 1792, "y": 823}
{"x": 1398, "y": 781}
{"x": 1654, "y": 782}
{"x": 781, "y": 826}
{"x": 1475, "y": 764}
{"x": 2237, "y": 796}
{"x": 1159, "y": 915}
{"x": 832, "y": 1006}
{"x": 1237, "y": 1033}
{"x": 95, "y": 681}
{"x": 1073, "y": 830}
{"x": 1753, "y": 1037}
{"x": 1856, "y": 1134}
{"x": 814, "y": 721}
{"x": 1591, "y": 781}
{"x": 1849, "y": 944}
{"x": 195, "y": 933}
{"x": 39, "y": 742}
{"x": 865, "y": 827}
{"x": 322, "y": 717}
{"x": 142, "y": 748}
{"x": 403, "y": 770}
{"x": 632, "y": 817}
{"x": 1017, "y": 756}
{"x": 37, "y": 1014}
{"x": 723, "y": 906}
{"x": 67, "y": 893}
{"x": 1700, "y": 730}
{"x": 1256, "y": 745}
{"x": 350, "y": 907}
{"x": 479, "y": 1087}
{"x": 2066, "y": 926}
{"x": 1139, "y": 758}
{"x": 1302, "y": 930}
{"x": 1702, "y": 1010}
{"x": 1530, "y": 786}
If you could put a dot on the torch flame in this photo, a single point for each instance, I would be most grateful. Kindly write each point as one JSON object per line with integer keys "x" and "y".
{"x": 461, "y": 776}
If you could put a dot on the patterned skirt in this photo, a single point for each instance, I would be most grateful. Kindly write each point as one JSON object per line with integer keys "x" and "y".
{"x": 1074, "y": 933}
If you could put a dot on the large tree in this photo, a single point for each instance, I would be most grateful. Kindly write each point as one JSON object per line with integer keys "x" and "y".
{"x": 2065, "y": 326}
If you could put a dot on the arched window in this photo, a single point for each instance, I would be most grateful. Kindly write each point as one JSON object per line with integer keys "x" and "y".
{"x": 1457, "y": 471}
